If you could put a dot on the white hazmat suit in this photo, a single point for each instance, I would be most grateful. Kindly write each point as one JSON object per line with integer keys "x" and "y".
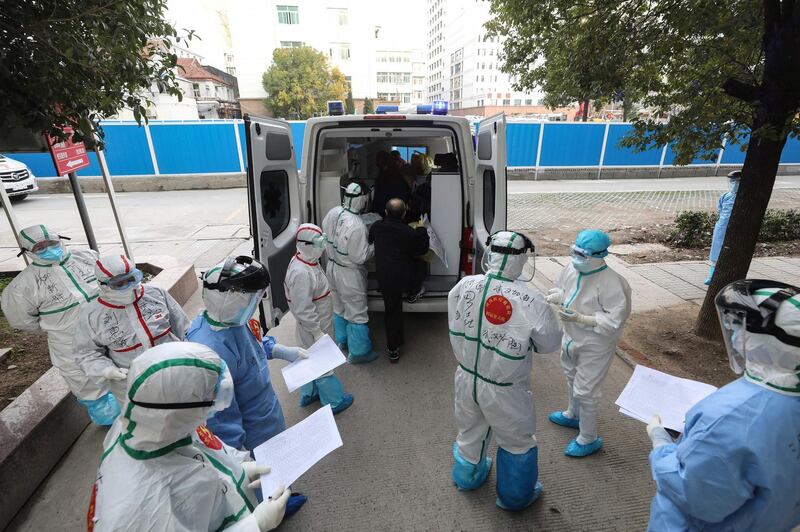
{"x": 309, "y": 300}
{"x": 497, "y": 321}
{"x": 595, "y": 304}
{"x": 122, "y": 324}
{"x": 348, "y": 251}
{"x": 49, "y": 295}
{"x": 161, "y": 468}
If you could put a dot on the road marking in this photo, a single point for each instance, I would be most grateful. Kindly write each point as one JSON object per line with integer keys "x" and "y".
{"x": 235, "y": 213}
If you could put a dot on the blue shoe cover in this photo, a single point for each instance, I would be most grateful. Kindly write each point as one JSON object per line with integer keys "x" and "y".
{"x": 102, "y": 411}
{"x": 331, "y": 392}
{"x": 710, "y": 275}
{"x": 340, "y": 330}
{"x": 296, "y": 500}
{"x": 517, "y": 479}
{"x": 359, "y": 344}
{"x": 466, "y": 475}
{"x": 537, "y": 490}
{"x": 576, "y": 450}
{"x": 560, "y": 419}
{"x": 308, "y": 394}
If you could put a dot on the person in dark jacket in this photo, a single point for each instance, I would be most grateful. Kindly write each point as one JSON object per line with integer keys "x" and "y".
{"x": 398, "y": 267}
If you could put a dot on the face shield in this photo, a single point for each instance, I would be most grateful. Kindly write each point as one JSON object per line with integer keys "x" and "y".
{"x": 223, "y": 391}
{"x": 760, "y": 322}
{"x": 356, "y": 198}
{"x": 232, "y": 290}
{"x": 126, "y": 281}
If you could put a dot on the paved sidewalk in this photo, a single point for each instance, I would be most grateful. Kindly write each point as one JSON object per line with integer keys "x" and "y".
{"x": 667, "y": 284}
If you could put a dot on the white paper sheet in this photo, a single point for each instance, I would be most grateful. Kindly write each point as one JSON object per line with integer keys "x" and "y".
{"x": 651, "y": 392}
{"x": 434, "y": 243}
{"x": 295, "y": 450}
{"x": 323, "y": 356}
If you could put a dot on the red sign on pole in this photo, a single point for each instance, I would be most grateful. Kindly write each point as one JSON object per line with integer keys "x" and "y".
{"x": 67, "y": 156}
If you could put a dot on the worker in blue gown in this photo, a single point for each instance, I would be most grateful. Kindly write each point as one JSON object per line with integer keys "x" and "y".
{"x": 737, "y": 464}
{"x": 725, "y": 208}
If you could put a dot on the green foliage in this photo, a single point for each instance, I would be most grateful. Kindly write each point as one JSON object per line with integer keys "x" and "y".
{"x": 349, "y": 104}
{"x": 73, "y": 63}
{"x": 300, "y": 82}
{"x": 369, "y": 107}
{"x": 693, "y": 229}
{"x": 673, "y": 57}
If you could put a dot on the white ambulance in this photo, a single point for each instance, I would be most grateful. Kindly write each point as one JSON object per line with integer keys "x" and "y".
{"x": 468, "y": 188}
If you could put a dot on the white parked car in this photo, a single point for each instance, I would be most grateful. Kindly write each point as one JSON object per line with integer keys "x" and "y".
{"x": 17, "y": 178}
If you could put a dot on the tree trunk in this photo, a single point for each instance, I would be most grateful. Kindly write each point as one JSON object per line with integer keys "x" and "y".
{"x": 585, "y": 110}
{"x": 775, "y": 108}
{"x": 626, "y": 109}
{"x": 755, "y": 189}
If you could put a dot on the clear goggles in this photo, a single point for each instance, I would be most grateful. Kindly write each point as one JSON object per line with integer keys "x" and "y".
{"x": 580, "y": 253}
{"x": 734, "y": 333}
{"x": 318, "y": 241}
{"x": 43, "y": 245}
{"x": 125, "y": 281}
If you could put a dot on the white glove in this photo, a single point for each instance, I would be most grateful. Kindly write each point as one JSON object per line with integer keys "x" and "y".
{"x": 289, "y": 354}
{"x": 658, "y": 434}
{"x": 113, "y": 373}
{"x": 555, "y": 296}
{"x": 570, "y": 315}
{"x": 269, "y": 514}
{"x": 318, "y": 334}
{"x": 253, "y": 472}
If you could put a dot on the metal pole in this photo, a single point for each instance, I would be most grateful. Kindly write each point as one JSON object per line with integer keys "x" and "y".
{"x": 12, "y": 218}
{"x": 603, "y": 150}
{"x": 719, "y": 157}
{"x": 87, "y": 224}
{"x": 539, "y": 150}
{"x": 112, "y": 199}
{"x": 661, "y": 162}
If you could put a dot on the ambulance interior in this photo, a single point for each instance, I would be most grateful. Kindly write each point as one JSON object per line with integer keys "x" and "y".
{"x": 353, "y": 155}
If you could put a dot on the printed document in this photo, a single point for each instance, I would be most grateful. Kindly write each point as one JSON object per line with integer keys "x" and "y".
{"x": 323, "y": 356}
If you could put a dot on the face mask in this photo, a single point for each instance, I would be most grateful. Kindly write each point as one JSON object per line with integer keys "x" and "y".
{"x": 120, "y": 297}
{"x": 733, "y": 185}
{"x": 52, "y": 254}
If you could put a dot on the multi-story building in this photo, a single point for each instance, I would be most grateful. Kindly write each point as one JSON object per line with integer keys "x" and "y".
{"x": 380, "y": 55}
{"x": 464, "y": 63}
{"x": 215, "y": 91}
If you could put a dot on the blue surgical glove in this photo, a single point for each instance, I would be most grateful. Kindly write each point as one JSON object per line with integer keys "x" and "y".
{"x": 289, "y": 354}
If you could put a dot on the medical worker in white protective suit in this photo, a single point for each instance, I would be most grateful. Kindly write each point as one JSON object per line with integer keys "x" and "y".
{"x": 497, "y": 322}
{"x": 309, "y": 298}
{"x": 48, "y": 295}
{"x": 162, "y": 469}
{"x": 348, "y": 251}
{"x": 594, "y": 304}
{"x": 128, "y": 318}
{"x": 736, "y": 466}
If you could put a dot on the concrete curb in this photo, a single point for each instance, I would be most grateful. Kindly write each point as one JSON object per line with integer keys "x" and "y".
{"x": 60, "y": 185}
{"x": 40, "y": 425}
{"x": 650, "y": 172}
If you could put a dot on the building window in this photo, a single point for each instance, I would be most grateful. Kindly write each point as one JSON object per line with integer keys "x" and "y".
{"x": 393, "y": 77}
{"x": 517, "y": 102}
{"x": 506, "y": 102}
{"x": 291, "y": 44}
{"x": 339, "y": 15}
{"x": 288, "y": 15}
{"x": 529, "y": 102}
{"x": 342, "y": 51}
{"x": 196, "y": 89}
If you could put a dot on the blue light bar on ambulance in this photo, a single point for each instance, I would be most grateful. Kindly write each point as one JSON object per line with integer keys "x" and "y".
{"x": 386, "y": 109}
{"x": 424, "y": 109}
{"x": 335, "y": 108}
{"x": 440, "y": 107}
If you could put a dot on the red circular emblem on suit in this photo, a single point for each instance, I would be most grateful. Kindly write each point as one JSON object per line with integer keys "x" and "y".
{"x": 497, "y": 310}
{"x": 208, "y": 438}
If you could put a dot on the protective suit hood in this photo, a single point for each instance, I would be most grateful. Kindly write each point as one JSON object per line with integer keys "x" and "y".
{"x": 171, "y": 389}
{"x": 311, "y": 242}
{"x": 761, "y": 326}
{"x": 38, "y": 236}
{"x": 507, "y": 254}
{"x": 120, "y": 280}
{"x": 356, "y": 198}
{"x": 230, "y": 302}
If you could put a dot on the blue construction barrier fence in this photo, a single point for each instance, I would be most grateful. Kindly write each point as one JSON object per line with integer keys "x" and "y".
{"x": 217, "y": 146}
